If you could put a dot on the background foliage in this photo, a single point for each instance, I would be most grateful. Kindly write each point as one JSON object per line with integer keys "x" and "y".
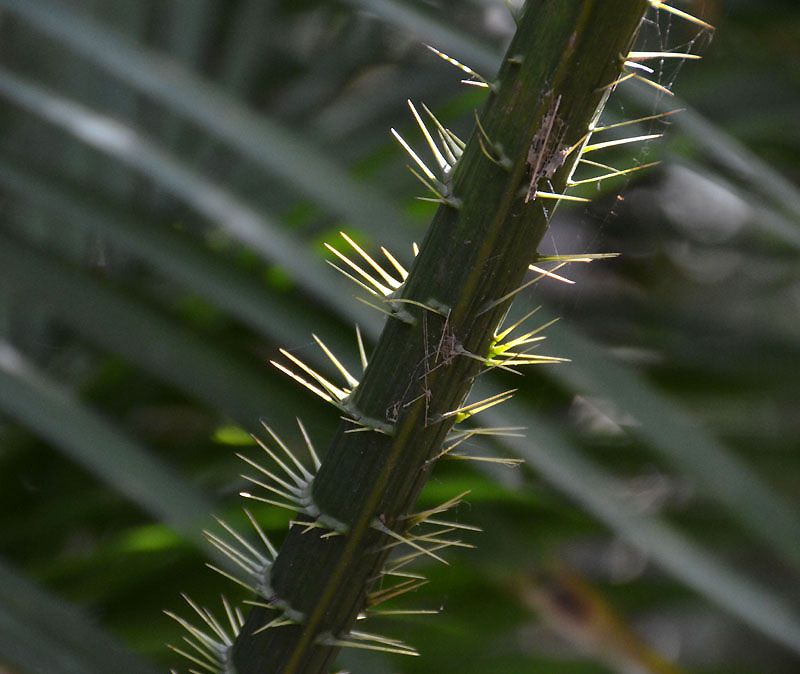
{"x": 168, "y": 172}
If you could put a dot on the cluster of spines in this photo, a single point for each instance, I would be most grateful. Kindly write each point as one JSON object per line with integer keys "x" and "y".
{"x": 633, "y": 66}
{"x": 294, "y": 488}
{"x": 250, "y": 559}
{"x": 250, "y": 562}
{"x": 210, "y": 645}
{"x": 288, "y": 483}
{"x": 446, "y": 154}
{"x": 507, "y": 350}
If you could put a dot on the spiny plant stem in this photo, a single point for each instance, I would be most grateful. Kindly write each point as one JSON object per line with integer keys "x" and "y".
{"x": 551, "y": 86}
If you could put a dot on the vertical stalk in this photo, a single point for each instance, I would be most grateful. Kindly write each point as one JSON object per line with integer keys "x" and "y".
{"x": 551, "y": 86}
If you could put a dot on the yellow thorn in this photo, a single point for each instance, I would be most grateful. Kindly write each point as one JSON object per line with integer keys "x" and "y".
{"x": 549, "y": 274}
{"x": 460, "y": 65}
{"x": 302, "y": 381}
{"x": 487, "y": 459}
{"x": 400, "y": 268}
{"x": 413, "y": 154}
{"x": 677, "y": 12}
{"x": 440, "y": 160}
{"x": 385, "y": 290}
{"x": 352, "y": 382}
{"x": 655, "y": 85}
{"x": 329, "y": 386}
{"x": 644, "y": 55}
{"x": 637, "y": 121}
{"x": 620, "y": 141}
{"x": 582, "y": 257}
{"x": 499, "y": 336}
{"x": 613, "y": 174}
{"x": 391, "y": 281}
{"x": 361, "y": 351}
{"x": 467, "y": 411}
{"x": 564, "y": 197}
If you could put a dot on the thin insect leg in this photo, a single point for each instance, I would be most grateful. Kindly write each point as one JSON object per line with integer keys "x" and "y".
{"x": 426, "y": 391}
{"x": 393, "y": 410}
{"x": 442, "y": 338}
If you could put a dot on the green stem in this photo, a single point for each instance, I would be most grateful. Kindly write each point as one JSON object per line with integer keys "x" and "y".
{"x": 556, "y": 75}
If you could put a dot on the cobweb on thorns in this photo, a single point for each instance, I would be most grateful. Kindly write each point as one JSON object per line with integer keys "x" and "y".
{"x": 660, "y": 31}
